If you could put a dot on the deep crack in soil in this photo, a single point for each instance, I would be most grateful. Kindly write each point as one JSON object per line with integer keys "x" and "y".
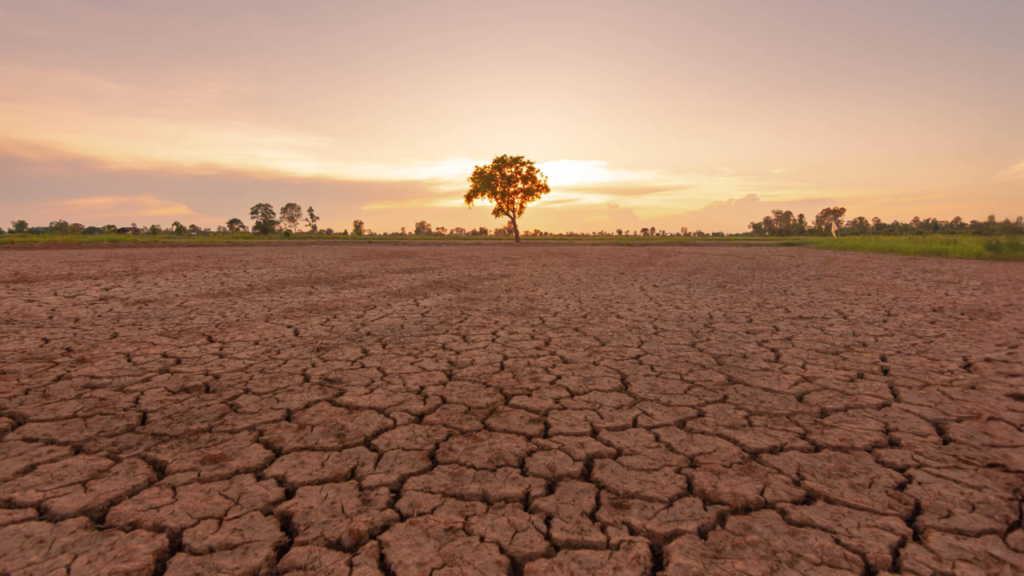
{"x": 496, "y": 409}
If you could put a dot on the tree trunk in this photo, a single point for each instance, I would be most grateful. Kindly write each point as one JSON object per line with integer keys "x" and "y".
{"x": 515, "y": 228}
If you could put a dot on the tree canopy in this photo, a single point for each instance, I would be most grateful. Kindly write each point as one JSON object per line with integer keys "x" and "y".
{"x": 783, "y": 223}
{"x": 311, "y": 220}
{"x": 291, "y": 216}
{"x": 265, "y": 218}
{"x": 235, "y": 226}
{"x": 59, "y": 227}
{"x": 511, "y": 183}
{"x": 823, "y": 221}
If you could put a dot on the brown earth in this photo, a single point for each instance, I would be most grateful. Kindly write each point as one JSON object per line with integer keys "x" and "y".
{"x": 494, "y": 409}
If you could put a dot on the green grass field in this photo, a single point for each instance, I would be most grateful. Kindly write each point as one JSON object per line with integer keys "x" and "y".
{"x": 942, "y": 246}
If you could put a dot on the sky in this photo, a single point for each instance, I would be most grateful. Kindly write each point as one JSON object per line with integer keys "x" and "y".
{"x": 677, "y": 113}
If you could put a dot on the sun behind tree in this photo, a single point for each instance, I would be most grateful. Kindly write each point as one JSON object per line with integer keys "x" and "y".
{"x": 510, "y": 182}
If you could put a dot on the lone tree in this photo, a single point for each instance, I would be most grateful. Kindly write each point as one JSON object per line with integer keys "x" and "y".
{"x": 357, "y": 227}
{"x": 510, "y": 182}
{"x": 19, "y": 226}
{"x": 265, "y": 218}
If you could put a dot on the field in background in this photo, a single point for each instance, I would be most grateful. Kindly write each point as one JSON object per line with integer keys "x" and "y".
{"x": 943, "y": 246}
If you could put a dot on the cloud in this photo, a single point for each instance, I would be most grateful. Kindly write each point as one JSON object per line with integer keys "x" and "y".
{"x": 41, "y": 184}
{"x": 1015, "y": 172}
{"x": 733, "y": 215}
{"x": 407, "y": 203}
{"x": 575, "y": 173}
{"x": 119, "y": 206}
{"x": 587, "y": 185}
{"x": 586, "y": 194}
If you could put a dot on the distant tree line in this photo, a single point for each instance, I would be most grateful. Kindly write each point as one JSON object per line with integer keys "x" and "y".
{"x": 267, "y": 221}
{"x": 784, "y": 223}
{"x": 61, "y": 227}
{"x": 292, "y": 220}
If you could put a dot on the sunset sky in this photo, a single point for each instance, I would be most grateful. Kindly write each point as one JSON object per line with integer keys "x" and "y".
{"x": 667, "y": 114}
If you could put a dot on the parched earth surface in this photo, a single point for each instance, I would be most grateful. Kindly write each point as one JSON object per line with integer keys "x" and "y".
{"x": 489, "y": 409}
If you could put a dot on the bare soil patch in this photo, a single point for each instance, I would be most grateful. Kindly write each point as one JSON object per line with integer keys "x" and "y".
{"x": 498, "y": 409}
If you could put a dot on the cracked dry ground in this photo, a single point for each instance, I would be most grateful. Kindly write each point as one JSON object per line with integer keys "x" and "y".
{"x": 460, "y": 410}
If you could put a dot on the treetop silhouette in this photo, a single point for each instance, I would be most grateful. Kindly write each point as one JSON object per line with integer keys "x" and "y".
{"x": 510, "y": 182}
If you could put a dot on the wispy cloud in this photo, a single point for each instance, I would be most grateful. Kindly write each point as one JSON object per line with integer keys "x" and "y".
{"x": 115, "y": 206}
{"x": 422, "y": 202}
{"x": 107, "y": 121}
{"x": 596, "y": 185}
{"x": 1015, "y": 172}
{"x": 575, "y": 173}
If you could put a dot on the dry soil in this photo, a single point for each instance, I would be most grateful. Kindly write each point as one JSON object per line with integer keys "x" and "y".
{"x": 493, "y": 409}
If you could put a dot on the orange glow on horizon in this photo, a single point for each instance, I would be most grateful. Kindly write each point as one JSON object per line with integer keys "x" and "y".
{"x": 638, "y": 113}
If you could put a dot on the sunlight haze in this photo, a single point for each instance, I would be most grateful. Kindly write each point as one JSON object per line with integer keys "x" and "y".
{"x": 665, "y": 114}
